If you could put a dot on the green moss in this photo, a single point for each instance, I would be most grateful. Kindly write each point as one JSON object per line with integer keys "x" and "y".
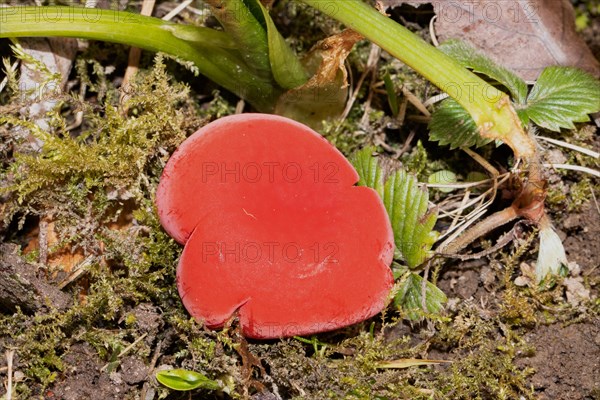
{"x": 516, "y": 308}
{"x": 580, "y": 193}
{"x": 483, "y": 366}
{"x": 348, "y": 135}
{"x": 98, "y": 184}
{"x": 114, "y": 158}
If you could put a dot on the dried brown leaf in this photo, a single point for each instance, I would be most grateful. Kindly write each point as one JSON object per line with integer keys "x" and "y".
{"x": 525, "y": 35}
{"x": 326, "y": 91}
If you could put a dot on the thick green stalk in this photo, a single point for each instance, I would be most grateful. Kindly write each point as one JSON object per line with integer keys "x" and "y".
{"x": 244, "y": 28}
{"x": 212, "y": 51}
{"x": 490, "y": 108}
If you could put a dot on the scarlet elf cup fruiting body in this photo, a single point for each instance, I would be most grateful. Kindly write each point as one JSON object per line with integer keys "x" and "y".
{"x": 274, "y": 229}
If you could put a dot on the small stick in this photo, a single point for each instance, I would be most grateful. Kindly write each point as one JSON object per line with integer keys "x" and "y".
{"x": 594, "y": 197}
{"x": 402, "y": 113}
{"x": 414, "y": 100}
{"x": 482, "y": 228}
{"x": 432, "y": 32}
{"x": 408, "y": 140}
{"x": 127, "y": 349}
{"x": 503, "y": 241}
{"x": 575, "y": 168}
{"x": 359, "y": 84}
{"x": 174, "y": 12}
{"x": 77, "y": 272}
{"x": 458, "y": 229}
{"x": 435, "y": 99}
{"x": 9, "y": 361}
{"x": 239, "y": 107}
{"x": 463, "y": 185}
{"x": 155, "y": 356}
{"x": 580, "y": 149}
{"x": 43, "y": 242}
{"x": 482, "y": 161}
{"x": 135, "y": 53}
{"x": 372, "y": 67}
{"x": 465, "y": 199}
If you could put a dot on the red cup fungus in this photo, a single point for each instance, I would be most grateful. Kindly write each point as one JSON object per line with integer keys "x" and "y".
{"x": 274, "y": 229}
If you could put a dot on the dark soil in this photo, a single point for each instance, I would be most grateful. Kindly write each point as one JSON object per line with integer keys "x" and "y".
{"x": 84, "y": 379}
{"x": 565, "y": 356}
{"x": 566, "y": 361}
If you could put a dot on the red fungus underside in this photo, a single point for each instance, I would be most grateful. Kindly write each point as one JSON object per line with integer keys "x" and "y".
{"x": 274, "y": 229}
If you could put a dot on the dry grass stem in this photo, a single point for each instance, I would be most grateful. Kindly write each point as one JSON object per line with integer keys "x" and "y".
{"x": 570, "y": 146}
{"x": 578, "y": 168}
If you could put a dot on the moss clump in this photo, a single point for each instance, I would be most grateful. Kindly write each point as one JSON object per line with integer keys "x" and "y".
{"x": 97, "y": 184}
{"x": 110, "y": 157}
{"x": 484, "y": 358}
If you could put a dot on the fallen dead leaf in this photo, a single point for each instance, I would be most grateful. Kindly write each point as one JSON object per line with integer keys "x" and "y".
{"x": 61, "y": 259}
{"x": 326, "y": 91}
{"x": 525, "y": 36}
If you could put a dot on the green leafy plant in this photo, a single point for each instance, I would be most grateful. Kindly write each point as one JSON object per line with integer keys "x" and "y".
{"x": 407, "y": 204}
{"x": 417, "y": 297}
{"x": 560, "y": 97}
{"x": 183, "y": 380}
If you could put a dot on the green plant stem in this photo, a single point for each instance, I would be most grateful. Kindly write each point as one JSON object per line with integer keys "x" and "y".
{"x": 211, "y": 51}
{"x": 490, "y": 108}
{"x": 240, "y": 23}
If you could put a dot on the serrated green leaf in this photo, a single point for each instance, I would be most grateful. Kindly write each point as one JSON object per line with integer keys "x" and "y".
{"x": 183, "y": 379}
{"x": 452, "y": 125}
{"x": 409, "y": 297}
{"x": 470, "y": 58}
{"x": 522, "y": 113}
{"x": 369, "y": 171}
{"x": 561, "y": 96}
{"x": 407, "y": 205}
{"x": 285, "y": 65}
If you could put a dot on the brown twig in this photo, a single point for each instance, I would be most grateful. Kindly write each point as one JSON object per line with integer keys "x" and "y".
{"x": 155, "y": 356}
{"x": 9, "y": 361}
{"x": 373, "y": 60}
{"x": 126, "y": 349}
{"x": 503, "y": 241}
{"x": 482, "y": 228}
{"x": 43, "y": 241}
{"x": 135, "y": 53}
{"x": 370, "y": 61}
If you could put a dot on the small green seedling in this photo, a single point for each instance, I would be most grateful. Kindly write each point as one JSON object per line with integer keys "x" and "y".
{"x": 184, "y": 380}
